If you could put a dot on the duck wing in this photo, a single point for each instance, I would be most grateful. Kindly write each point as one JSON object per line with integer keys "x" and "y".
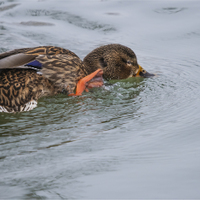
{"x": 18, "y": 60}
{"x": 26, "y": 57}
{"x": 61, "y": 66}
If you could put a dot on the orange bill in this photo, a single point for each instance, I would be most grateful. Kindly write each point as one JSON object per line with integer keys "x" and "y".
{"x": 143, "y": 73}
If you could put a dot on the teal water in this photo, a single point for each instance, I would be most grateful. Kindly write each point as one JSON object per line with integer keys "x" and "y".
{"x": 132, "y": 139}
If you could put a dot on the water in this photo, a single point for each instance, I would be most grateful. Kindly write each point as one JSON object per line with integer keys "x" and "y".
{"x": 135, "y": 138}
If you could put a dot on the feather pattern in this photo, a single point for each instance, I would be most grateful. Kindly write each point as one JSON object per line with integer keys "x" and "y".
{"x": 30, "y": 73}
{"x": 116, "y": 61}
{"x": 20, "y": 84}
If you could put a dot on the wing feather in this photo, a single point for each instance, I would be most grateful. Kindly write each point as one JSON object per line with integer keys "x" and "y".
{"x": 16, "y": 61}
{"x": 61, "y": 66}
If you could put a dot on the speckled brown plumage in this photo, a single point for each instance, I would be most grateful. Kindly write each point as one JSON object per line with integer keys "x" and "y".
{"x": 116, "y": 61}
{"x": 61, "y": 70}
{"x": 20, "y": 86}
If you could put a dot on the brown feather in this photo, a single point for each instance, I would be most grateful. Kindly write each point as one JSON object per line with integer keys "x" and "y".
{"x": 20, "y": 86}
{"x": 61, "y": 70}
{"x": 112, "y": 59}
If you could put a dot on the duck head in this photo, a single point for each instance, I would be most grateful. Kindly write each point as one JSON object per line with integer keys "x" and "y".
{"x": 116, "y": 61}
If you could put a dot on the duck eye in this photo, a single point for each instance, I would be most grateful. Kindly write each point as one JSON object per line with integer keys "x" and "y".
{"x": 143, "y": 71}
{"x": 128, "y": 62}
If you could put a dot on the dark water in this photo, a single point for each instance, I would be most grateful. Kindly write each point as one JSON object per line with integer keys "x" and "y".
{"x": 135, "y": 138}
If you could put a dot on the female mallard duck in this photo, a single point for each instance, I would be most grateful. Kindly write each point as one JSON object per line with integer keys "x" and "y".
{"x": 116, "y": 61}
{"x": 31, "y": 73}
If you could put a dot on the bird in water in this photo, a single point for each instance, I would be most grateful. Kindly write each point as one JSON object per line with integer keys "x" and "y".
{"x": 31, "y": 73}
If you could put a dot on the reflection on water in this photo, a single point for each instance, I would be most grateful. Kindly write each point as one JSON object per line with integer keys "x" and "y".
{"x": 3, "y": 8}
{"x": 134, "y": 138}
{"x": 170, "y": 10}
{"x": 65, "y": 17}
{"x": 34, "y": 23}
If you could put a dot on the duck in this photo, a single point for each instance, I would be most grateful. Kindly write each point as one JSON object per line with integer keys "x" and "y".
{"x": 117, "y": 62}
{"x": 28, "y": 74}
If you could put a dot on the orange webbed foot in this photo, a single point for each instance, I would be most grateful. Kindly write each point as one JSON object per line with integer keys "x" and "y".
{"x": 88, "y": 82}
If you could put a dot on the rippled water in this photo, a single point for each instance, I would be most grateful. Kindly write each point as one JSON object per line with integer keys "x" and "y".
{"x": 135, "y": 138}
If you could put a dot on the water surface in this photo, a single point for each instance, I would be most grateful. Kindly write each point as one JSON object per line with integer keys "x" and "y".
{"x": 135, "y": 138}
